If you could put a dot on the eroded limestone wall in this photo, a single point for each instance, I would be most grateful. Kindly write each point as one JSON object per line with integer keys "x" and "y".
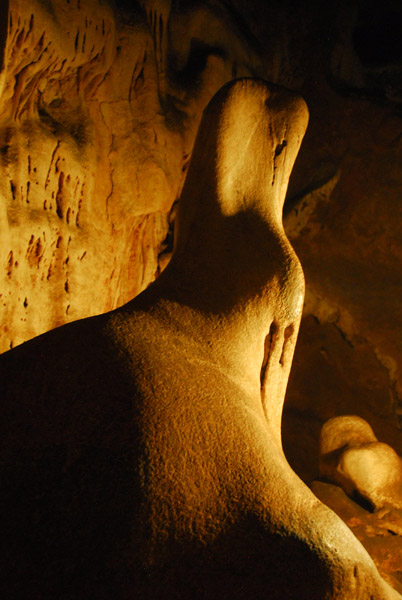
{"x": 95, "y": 142}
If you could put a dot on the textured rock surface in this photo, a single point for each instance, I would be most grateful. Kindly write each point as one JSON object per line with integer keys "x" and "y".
{"x": 95, "y": 141}
{"x": 98, "y": 112}
{"x": 99, "y": 106}
{"x": 380, "y": 532}
{"x": 146, "y": 460}
{"x": 353, "y": 458}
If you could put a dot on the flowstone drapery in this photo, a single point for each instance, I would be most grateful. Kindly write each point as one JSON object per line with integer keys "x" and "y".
{"x": 145, "y": 459}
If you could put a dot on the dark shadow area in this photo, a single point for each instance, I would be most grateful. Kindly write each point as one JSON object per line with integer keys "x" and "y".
{"x": 364, "y": 502}
{"x": 69, "y": 479}
{"x": 377, "y": 37}
{"x": 3, "y": 29}
{"x": 246, "y": 562}
{"x": 71, "y": 499}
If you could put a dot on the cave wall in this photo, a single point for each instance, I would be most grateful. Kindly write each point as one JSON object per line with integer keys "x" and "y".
{"x": 345, "y": 227}
{"x": 95, "y": 141}
{"x": 99, "y": 106}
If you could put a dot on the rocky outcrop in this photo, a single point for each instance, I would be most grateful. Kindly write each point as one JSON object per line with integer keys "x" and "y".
{"x": 99, "y": 106}
{"x": 379, "y": 532}
{"x": 95, "y": 141}
{"x": 149, "y": 450}
{"x": 352, "y": 457}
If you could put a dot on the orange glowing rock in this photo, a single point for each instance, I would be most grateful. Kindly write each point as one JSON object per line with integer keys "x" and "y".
{"x": 352, "y": 457}
{"x": 95, "y": 140}
{"x": 145, "y": 444}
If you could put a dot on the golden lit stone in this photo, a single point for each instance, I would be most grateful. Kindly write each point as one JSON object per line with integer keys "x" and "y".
{"x": 153, "y": 432}
{"x": 352, "y": 457}
{"x": 94, "y": 143}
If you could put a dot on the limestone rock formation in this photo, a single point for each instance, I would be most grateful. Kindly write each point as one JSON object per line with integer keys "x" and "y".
{"x": 99, "y": 105}
{"x": 141, "y": 449}
{"x": 352, "y": 457}
{"x": 379, "y": 532}
{"x": 348, "y": 358}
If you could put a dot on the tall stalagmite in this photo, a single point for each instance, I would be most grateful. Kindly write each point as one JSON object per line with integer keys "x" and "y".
{"x": 145, "y": 460}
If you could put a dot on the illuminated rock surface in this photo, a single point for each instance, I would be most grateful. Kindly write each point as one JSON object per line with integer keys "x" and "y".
{"x": 99, "y": 106}
{"x": 352, "y": 457}
{"x": 380, "y": 532}
{"x": 95, "y": 142}
{"x": 145, "y": 460}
